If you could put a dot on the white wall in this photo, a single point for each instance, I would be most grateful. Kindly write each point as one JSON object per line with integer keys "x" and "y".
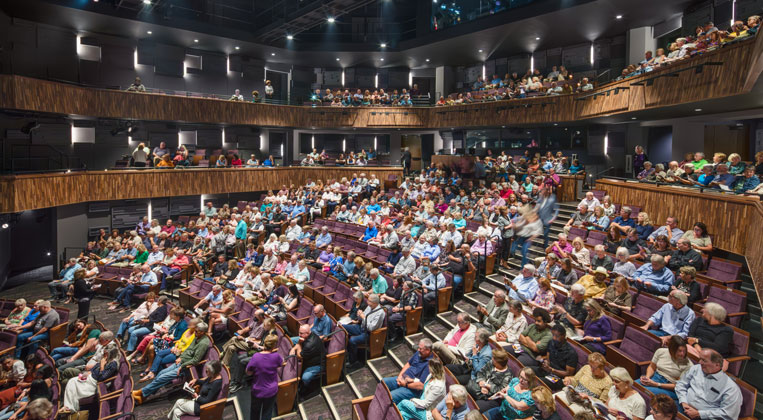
{"x": 639, "y": 40}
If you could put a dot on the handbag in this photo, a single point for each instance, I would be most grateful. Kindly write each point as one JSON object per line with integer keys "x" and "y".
{"x": 73, "y": 415}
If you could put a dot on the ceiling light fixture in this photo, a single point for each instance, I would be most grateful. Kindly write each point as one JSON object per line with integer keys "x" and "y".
{"x": 381, "y": 59}
{"x": 273, "y": 54}
{"x": 619, "y": 17}
{"x": 633, "y": 118}
{"x": 337, "y": 59}
{"x": 146, "y": 1}
{"x": 196, "y": 40}
{"x": 697, "y": 109}
{"x": 537, "y": 38}
{"x": 383, "y": 45}
{"x": 427, "y": 60}
{"x": 149, "y": 32}
{"x": 480, "y": 51}
{"x": 237, "y": 47}
{"x": 289, "y": 37}
{"x": 331, "y": 20}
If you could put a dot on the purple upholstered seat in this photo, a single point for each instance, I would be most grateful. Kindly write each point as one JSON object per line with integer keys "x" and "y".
{"x": 577, "y": 233}
{"x": 595, "y": 238}
{"x": 635, "y": 351}
{"x": 734, "y": 301}
{"x": 380, "y": 404}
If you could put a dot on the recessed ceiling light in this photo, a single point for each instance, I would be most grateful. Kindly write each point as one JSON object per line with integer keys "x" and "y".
{"x": 381, "y": 59}
{"x": 146, "y": 1}
{"x": 555, "y": 124}
{"x": 480, "y": 51}
{"x": 195, "y": 40}
{"x": 619, "y": 17}
{"x": 237, "y": 47}
{"x": 273, "y": 54}
{"x": 289, "y": 37}
{"x": 427, "y": 60}
{"x": 537, "y": 38}
{"x": 633, "y": 118}
{"x": 383, "y": 45}
{"x": 697, "y": 109}
{"x": 149, "y": 32}
{"x": 331, "y": 20}
{"x": 337, "y": 59}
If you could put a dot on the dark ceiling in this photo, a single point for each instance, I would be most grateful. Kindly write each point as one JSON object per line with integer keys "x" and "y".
{"x": 222, "y": 26}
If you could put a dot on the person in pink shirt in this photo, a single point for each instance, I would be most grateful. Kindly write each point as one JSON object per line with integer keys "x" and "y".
{"x": 168, "y": 228}
{"x": 561, "y": 247}
{"x": 482, "y": 247}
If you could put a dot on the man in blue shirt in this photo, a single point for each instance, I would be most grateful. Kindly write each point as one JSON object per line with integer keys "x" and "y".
{"x": 324, "y": 238}
{"x": 524, "y": 286}
{"x": 321, "y": 324}
{"x": 433, "y": 250}
{"x": 624, "y": 221}
{"x": 654, "y": 278}
{"x": 722, "y": 177}
{"x": 432, "y": 283}
{"x": 297, "y": 211}
{"x": 370, "y": 232}
{"x": 748, "y": 182}
{"x": 410, "y": 382}
{"x": 673, "y": 318}
{"x": 147, "y": 279}
{"x": 373, "y": 207}
{"x": 59, "y": 287}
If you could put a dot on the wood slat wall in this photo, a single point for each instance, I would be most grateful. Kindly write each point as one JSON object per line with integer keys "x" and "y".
{"x": 754, "y": 254}
{"x": 726, "y": 216}
{"x": 732, "y": 78}
{"x": 28, "y": 192}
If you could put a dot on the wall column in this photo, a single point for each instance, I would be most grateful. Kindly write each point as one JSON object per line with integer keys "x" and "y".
{"x": 639, "y": 40}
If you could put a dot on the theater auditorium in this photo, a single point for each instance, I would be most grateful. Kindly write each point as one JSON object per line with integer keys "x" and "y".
{"x": 381, "y": 209}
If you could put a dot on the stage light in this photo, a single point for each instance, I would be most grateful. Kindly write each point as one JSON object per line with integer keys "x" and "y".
{"x": 331, "y": 20}
{"x": 146, "y": 1}
{"x": 149, "y": 32}
{"x": 480, "y": 50}
{"x": 537, "y": 38}
{"x": 381, "y": 59}
{"x": 698, "y": 110}
{"x": 289, "y": 37}
{"x": 273, "y": 54}
{"x": 383, "y": 45}
{"x": 237, "y": 47}
{"x": 196, "y": 40}
{"x": 337, "y": 59}
{"x": 618, "y": 17}
{"x": 5, "y": 226}
{"x": 427, "y": 60}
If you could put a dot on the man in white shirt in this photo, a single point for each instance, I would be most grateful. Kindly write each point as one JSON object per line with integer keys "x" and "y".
{"x": 458, "y": 343}
{"x": 294, "y": 231}
{"x": 590, "y": 201}
{"x": 451, "y": 235}
{"x": 406, "y": 265}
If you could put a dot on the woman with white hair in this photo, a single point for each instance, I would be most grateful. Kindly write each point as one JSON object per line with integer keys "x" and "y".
{"x": 710, "y": 331}
{"x": 623, "y": 267}
{"x": 272, "y": 243}
{"x": 87, "y": 382}
{"x": 623, "y": 398}
{"x": 207, "y": 390}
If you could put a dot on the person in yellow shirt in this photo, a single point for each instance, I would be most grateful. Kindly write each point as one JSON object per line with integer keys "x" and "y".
{"x": 162, "y": 358}
{"x": 594, "y": 284}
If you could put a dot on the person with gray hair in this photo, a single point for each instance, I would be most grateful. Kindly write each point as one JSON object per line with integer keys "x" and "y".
{"x": 107, "y": 367}
{"x": 29, "y": 340}
{"x": 709, "y": 331}
{"x": 524, "y": 286}
{"x": 622, "y": 265}
{"x": 39, "y": 409}
{"x": 493, "y": 315}
{"x": 459, "y": 342}
{"x": 684, "y": 256}
{"x": 17, "y": 315}
{"x": 409, "y": 383}
{"x": 474, "y": 359}
{"x": 654, "y": 278}
{"x": 370, "y": 320}
{"x": 453, "y": 406}
{"x": 206, "y": 391}
{"x": 705, "y": 391}
{"x": 572, "y": 314}
{"x": 59, "y": 287}
{"x": 623, "y": 397}
{"x": 673, "y": 318}
{"x": 405, "y": 265}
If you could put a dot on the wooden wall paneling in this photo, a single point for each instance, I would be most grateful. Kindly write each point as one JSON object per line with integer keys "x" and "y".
{"x": 754, "y": 254}
{"x": 35, "y": 191}
{"x": 718, "y": 211}
{"x": 568, "y": 190}
{"x": 714, "y": 81}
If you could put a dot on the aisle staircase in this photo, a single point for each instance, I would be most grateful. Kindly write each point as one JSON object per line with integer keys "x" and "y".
{"x": 335, "y": 401}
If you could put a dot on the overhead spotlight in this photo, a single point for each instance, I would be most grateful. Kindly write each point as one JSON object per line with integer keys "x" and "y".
{"x": 149, "y": 32}
{"x": 331, "y": 20}
{"x": 381, "y": 59}
{"x": 289, "y": 37}
{"x": 537, "y": 38}
{"x": 697, "y": 109}
{"x": 95, "y": 1}
{"x": 146, "y": 1}
{"x": 48, "y": 253}
{"x": 4, "y": 226}
{"x": 480, "y": 50}
{"x": 196, "y": 40}
{"x": 273, "y": 54}
{"x": 337, "y": 59}
{"x": 383, "y": 45}
{"x": 427, "y": 60}
{"x": 619, "y": 17}
{"x": 237, "y": 47}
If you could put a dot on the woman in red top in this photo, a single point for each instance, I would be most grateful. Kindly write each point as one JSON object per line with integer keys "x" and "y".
{"x": 236, "y": 162}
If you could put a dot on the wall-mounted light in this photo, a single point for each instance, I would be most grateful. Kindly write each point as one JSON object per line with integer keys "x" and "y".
{"x": 592, "y": 53}
{"x": 606, "y": 143}
{"x": 344, "y": 145}
{"x": 312, "y": 142}
{"x": 376, "y": 80}
{"x": 289, "y": 37}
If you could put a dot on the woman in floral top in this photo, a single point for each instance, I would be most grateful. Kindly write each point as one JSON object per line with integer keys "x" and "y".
{"x": 545, "y": 297}
{"x": 517, "y": 398}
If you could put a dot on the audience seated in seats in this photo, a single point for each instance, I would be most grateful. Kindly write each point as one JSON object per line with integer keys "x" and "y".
{"x": 590, "y": 382}
{"x": 710, "y": 332}
{"x": 166, "y": 352}
{"x": 28, "y": 340}
{"x": 87, "y": 384}
{"x": 596, "y": 329}
{"x": 616, "y": 298}
{"x": 516, "y": 400}
{"x": 524, "y": 287}
{"x": 673, "y": 318}
{"x": 409, "y": 383}
{"x": 508, "y": 333}
{"x": 207, "y": 389}
{"x": 654, "y": 277}
{"x": 106, "y": 342}
{"x": 559, "y": 362}
{"x": 370, "y": 320}
{"x": 191, "y": 356}
{"x": 474, "y": 359}
{"x": 432, "y": 394}
{"x": 705, "y": 391}
{"x": 493, "y": 315}
{"x": 669, "y": 364}
{"x": 572, "y": 314}
{"x": 534, "y": 340}
{"x": 459, "y": 342}
{"x": 311, "y": 351}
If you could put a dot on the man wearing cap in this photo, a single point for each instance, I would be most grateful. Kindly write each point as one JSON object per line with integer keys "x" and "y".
{"x": 594, "y": 283}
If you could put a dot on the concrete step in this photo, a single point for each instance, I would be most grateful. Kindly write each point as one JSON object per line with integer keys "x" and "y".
{"x": 383, "y": 367}
{"x": 362, "y": 381}
{"x": 339, "y": 400}
{"x": 401, "y": 353}
{"x": 436, "y": 330}
{"x": 315, "y": 408}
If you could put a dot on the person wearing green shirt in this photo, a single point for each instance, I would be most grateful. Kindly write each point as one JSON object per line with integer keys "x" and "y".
{"x": 142, "y": 255}
{"x": 535, "y": 338}
{"x": 699, "y": 161}
{"x": 192, "y": 355}
{"x": 379, "y": 285}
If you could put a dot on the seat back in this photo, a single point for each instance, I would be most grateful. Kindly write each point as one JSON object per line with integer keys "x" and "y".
{"x": 646, "y": 305}
{"x": 305, "y": 308}
{"x": 723, "y": 270}
{"x": 338, "y": 341}
{"x": 749, "y": 396}
{"x": 740, "y": 344}
{"x": 380, "y": 404}
{"x": 595, "y": 238}
{"x": 732, "y": 300}
{"x": 564, "y": 412}
{"x": 618, "y": 326}
{"x": 581, "y": 351}
{"x": 577, "y": 233}
{"x": 638, "y": 344}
